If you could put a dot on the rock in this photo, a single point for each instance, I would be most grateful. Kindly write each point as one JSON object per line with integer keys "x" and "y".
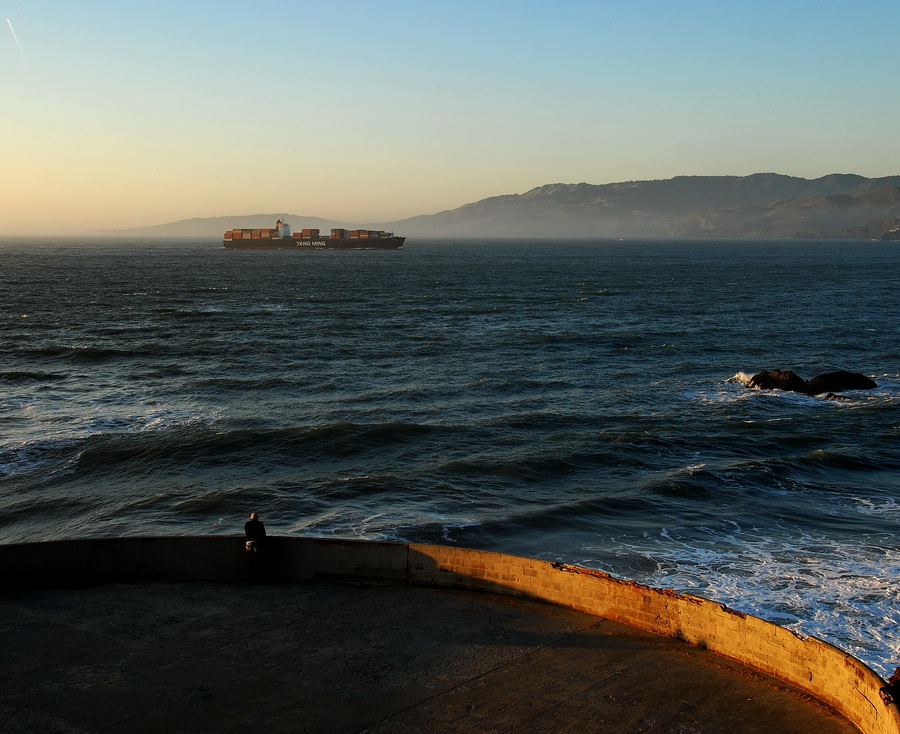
{"x": 891, "y": 692}
{"x": 778, "y": 380}
{"x": 840, "y": 381}
{"x": 830, "y": 382}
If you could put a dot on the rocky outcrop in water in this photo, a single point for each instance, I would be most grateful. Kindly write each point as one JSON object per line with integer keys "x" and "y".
{"x": 830, "y": 382}
{"x": 778, "y": 380}
{"x": 840, "y": 381}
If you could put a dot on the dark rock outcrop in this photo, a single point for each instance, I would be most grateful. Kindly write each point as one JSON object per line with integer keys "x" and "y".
{"x": 778, "y": 380}
{"x": 830, "y": 382}
{"x": 840, "y": 381}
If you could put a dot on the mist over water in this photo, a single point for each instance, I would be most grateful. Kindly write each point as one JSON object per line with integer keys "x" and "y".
{"x": 574, "y": 401}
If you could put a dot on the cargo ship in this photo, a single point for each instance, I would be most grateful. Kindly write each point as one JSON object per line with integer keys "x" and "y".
{"x": 281, "y": 238}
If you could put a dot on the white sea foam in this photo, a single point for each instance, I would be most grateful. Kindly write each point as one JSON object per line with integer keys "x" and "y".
{"x": 688, "y": 470}
{"x": 103, "y": 421}
{"x": 53, "y": 457}
{"x": 56, "y": 454}
{"x": 846, "y": 595}
{"x": 868, "y": 506}
{"x": 448, "y": 527}
{"x": 351, "y": 523}
{"x": 348, "y": 523}
{"x": 741, "y": 378}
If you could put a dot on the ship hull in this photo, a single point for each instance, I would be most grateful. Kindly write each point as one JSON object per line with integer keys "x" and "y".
{"x": 322, "y": 243}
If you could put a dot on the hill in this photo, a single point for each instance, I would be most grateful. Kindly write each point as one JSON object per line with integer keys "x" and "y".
{"x": 865, "y": 215}
{"x": 759, "y": 205}
{"x": 215, "y": 226}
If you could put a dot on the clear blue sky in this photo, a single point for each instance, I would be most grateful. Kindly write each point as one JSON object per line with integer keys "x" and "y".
{"x": 121, "y": 113}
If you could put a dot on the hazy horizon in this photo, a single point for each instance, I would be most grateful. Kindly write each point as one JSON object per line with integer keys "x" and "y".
{"x": 126, "y": 116}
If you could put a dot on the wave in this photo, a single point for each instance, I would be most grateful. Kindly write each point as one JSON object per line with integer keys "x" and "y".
{"x": 740, "y": 378}
{"x": 99, "y": 443}
{"x": 838, "y": 592}
{"x": 167, "y": 441}
{"x": 50, "y": 458}
{"x": 526, "y": 469}
{"x": 375, "y": 434}
{"x": 33, "y": 376}
{"x": 189, "y": 311}
{"x": 477, "y": 399}
{"x": 91, "y": 354}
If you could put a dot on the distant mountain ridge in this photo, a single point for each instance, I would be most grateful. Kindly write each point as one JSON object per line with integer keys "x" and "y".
{"x": 865, "y": 215}
{"x": 216, "y": 226}
{"x": 761, "y": 205}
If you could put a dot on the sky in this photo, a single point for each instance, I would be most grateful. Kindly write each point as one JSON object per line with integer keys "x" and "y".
{"x": 119, "y": 113}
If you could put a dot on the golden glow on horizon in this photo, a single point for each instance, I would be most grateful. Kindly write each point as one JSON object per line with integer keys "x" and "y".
{"x": 127, "y": 116}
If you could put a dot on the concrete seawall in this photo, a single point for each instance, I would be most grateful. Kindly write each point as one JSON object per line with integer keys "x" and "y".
{"x": 820, "y": 669}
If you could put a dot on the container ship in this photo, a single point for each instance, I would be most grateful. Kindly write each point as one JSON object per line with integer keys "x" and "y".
{"x": 280, "y": 238}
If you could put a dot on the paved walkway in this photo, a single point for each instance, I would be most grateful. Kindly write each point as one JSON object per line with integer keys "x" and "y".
{"x": 332, "y": 658}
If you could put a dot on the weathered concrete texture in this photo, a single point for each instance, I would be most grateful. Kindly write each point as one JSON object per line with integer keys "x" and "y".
{"x": 325, "y": 657}
{"x": 820, "y": 669}
{"x": 813, "y": 666}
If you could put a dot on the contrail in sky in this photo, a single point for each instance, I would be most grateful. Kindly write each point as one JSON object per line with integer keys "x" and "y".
{"x": 15, "y": 37}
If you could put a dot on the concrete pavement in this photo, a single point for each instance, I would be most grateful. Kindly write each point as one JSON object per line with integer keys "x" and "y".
{"x": 333, "y": 658}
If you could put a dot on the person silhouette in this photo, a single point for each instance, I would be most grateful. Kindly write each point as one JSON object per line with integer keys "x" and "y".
{"x": 255, "y": 536}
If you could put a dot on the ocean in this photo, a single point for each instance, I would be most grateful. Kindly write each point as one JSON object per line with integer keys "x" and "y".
{"x": 580, "y": 401}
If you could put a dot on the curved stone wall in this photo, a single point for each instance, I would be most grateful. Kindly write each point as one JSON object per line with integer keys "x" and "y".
{"x": 822, "y": 670}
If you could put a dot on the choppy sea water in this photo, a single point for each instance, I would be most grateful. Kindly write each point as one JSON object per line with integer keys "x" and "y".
{"x": 573, "y": 401}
